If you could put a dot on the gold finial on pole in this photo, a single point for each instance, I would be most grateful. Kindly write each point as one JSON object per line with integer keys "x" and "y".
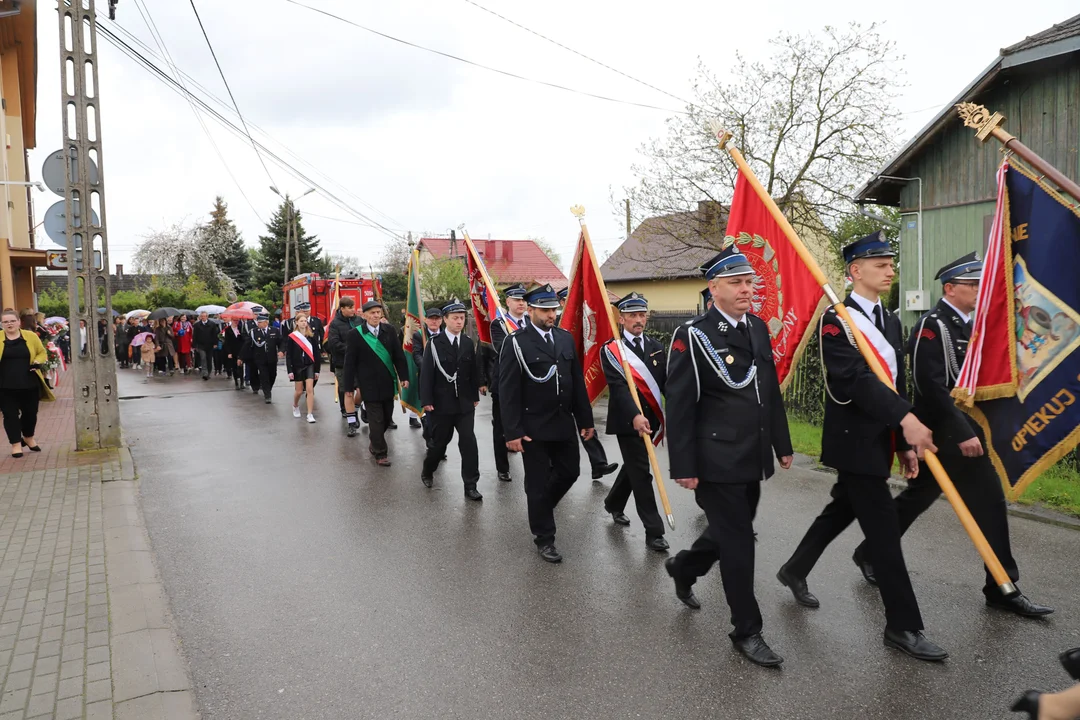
{"x": 578, "y": 212}
{"x": 717, "y": 128}
{"x": 978, "y": 117}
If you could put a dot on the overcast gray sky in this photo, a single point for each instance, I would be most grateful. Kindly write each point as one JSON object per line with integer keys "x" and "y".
{"x": 427, "y": 142}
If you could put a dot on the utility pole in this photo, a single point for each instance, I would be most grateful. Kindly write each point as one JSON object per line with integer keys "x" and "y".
{"x": 97, "y": 414}
{"x": 288, "y": 227}
{"x": 295, "y": 237}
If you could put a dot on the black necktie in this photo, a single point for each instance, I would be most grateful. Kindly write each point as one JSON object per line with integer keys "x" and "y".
{"x": 741, "y": 327}
{"x": 637, "y": 345}
{"x": 548, "y": 342}
{"x": 877, "y": 319}
{"x": 454, "y": 345}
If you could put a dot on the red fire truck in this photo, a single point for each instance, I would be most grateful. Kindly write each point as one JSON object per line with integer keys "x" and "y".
{"x": 319, "y": 291}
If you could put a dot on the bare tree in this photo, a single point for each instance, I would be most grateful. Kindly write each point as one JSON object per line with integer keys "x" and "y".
{"x": 813, "y": 123}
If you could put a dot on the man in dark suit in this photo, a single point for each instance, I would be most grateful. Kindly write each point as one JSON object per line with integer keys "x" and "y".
{"x": 726, "y": 422}
{"x": 433, "y": 319}
{"x": 938, "y": 346}
{"x": 451, "y": 381}
{"x": 261, "y": 346}
{"x": 375, "y": 363}
{"x": 864, "y": 421}
{"x": 648, "y": 365}
{"x": 514, "y": 319}
{"x": 542, "y": 389}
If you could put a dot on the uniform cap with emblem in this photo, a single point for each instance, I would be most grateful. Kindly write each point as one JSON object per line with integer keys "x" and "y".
{"x": 302, "y": 306}
{"x": 263, "y": 317}
{"x": 433, "y": 312}
{"x": 728, "y": 263}
{"x": 965, "y": 269}
{"x": 515, "y": 291}
{"x": 453, "y": 306}
{"x": 542, "y": 297}
{"x": 634, "y": 302}
{"x": 371, "y": 305}
{"x": 872, "y": 246}
{"x": 706, "y": 296}
{"x": 564, "y": 293}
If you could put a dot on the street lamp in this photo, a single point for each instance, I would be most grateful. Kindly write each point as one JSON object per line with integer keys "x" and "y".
{"x": 290, "y": 228}
{"x": 36, "y": 184}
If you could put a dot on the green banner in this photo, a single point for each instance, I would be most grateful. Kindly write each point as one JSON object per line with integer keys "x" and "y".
{"x": 414, "y": 310}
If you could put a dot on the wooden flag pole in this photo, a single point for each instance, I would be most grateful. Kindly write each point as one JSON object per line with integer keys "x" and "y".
{"x": 972, "y": 528}
{"x": 579, "y": 213}
{"x": 483, "y": 268}
{"x": 988, "y": 126}
{"x": 337, "y": 302}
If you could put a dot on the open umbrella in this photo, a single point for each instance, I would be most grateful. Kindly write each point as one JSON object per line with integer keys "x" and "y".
{"x": 163, "y": 312}
{"x": 210, "y": 309}
{"x": 141, "y": 338}
{"x": 56, "y": 320}
{"x": 137, "y": 314}
{"x": 102, "y": 311}
{"x": 243, "y": 310}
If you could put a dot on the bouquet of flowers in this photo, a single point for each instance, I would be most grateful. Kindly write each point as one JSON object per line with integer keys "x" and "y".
{"x": 57, "y": 331}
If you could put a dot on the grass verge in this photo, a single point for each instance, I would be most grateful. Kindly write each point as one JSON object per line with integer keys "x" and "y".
{"x": 1057, "y": 488}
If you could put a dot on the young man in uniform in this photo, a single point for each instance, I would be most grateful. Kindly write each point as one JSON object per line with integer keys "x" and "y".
{"x": 516, "y": 318}
{"x": 261, "y": 346}
{"x": 433, "y": 320}
{"x": 374, "y": 364}
{"x": 726, "y": 422}
{"x": 542, "y": 389}
{"x": 451, "y": 381}
{"x": 648, "y": 366}
{"x": 938, "y": 346}
{"x": 864, "y": 421}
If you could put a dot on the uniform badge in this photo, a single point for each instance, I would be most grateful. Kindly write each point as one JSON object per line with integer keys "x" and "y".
{"x": 678, "y": 345}
{"x": 729, "y": 359}
{"x": 927, "y": 333}
{"x": 722, "y": 327}
{"x": 654, "y": 362}
{"x": 830, "y": 330}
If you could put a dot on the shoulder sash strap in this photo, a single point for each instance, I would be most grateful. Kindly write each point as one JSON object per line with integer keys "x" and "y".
{"x": 382, "y": 353}
{"x": 643, "y": 380}
{"x": 304, "y": 344}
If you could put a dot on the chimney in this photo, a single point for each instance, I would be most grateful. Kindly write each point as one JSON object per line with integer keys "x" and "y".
{"x": 119, "y": 271}
{"x": 709, "y": 216}
{"x": 508, "y": 251}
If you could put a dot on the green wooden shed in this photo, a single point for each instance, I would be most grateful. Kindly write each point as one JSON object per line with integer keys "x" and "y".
{"x": 943, "y": 178}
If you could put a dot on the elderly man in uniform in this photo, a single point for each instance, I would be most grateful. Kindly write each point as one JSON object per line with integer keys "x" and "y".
{"x": 545, "y": 405}
{"x": 433, "y": 320}
{"x": 864, "y": 421}
{"x": 726, "y": 421}
{"x": 648, "y": 365}
{"x": 451, "y": 382}
{"x": 261, "y": 346}
{"x": 515, "y": 319}
{"x": 374, "y": 364}
{"x": 938, "y": 347}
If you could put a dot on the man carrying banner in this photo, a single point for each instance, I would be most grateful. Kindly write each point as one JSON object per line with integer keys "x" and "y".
{"x": 433, "y": 319}
{"x": 648, "y": 365}
{"x": 374, "y": 362}
{"x": 451, "y": 382}
{"x": 862, "y": 416}
{"x": 542, "y": 389}
{"x": 726, "y": 421}
{"x": 938, "y": 347}
{"x": 513, "y": 320}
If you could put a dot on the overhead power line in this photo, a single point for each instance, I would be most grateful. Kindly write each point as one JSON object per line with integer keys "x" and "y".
{"x": 489, "y": 68}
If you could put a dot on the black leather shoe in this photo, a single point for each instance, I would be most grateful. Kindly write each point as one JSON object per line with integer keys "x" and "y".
{"x": 352, "y": 431}
{"x": 472, "y": 493}
{"x": 427, "y": 480}
{"x": 620, "y": 518}
{"x": 392, "y": 425}
{"x": 549, "y": 554}
{"x": 1070, "y": 660}
{"x": 915, "y": 644}
{"x": 363, "y": 415}
{"x": 414, "y": 423}
{"x": 683, "y": 590}
{"x": 865, "y": 568}
{"x": 1029, "y": 703}
{"x": 798, "y": 588}
{"x": 31, "y": 448}
{"x": 1020, "y": 605}
{"x": 266, "y": 400}
{"x": 659, "y": 544}
{"x": 756, "y": 651}
{"x": 505, "y": 477}
{"x": 600, "y": 471}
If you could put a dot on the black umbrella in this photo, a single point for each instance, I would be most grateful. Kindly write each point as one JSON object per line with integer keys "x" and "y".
{"x": 102, "y": 311}
{"x": 190, "y": 313}
{"x": 162, "y": 313}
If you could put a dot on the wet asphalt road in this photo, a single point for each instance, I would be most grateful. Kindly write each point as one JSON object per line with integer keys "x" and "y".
{"x": 308, "y": 583}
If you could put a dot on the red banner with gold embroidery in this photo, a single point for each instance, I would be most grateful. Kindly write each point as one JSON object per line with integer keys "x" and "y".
{"x": 586, "y": 316}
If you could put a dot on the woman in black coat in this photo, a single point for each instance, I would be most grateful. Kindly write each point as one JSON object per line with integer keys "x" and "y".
{"x": 232, "y": 339}
{"x": 303, "y": 359}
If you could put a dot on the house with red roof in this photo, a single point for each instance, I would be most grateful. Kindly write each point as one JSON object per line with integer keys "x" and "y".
{"x": 507, "y": 261}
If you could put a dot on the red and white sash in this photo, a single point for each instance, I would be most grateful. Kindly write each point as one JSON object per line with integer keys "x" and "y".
{"x": 646, "y": 385}
{"x": 885, "y": 352}
{"x": 304, "y": 344}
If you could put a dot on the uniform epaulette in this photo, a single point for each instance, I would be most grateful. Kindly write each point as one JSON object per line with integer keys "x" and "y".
{"x": 697, "y": 319}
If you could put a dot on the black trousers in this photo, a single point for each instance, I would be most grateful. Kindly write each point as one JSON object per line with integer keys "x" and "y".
{"x": 425, "y": 424}
{"x": 20, "y": 409}
{"x": 263, "y": 376}
{"x": 729, "y": 540}
{"x": 636, "y": 477}
{"x": 442, "y": 432}
{"x": 551, "y": 469}
{"x": 498, "y": 439}
{"x": 595, "y": 450}
{"x": 379, "y": 416}
{"x": 865, "y": 498}
{"x": 981, "y": 491}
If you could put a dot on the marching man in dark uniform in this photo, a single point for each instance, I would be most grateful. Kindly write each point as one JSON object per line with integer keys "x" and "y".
{"x": 374, "y": 363}
{"x": 863, "y": 420}
{"x": 433, "y": 319}
{"x": 593, "y": 447}
{"x": 261, "y": 348}
{"x": 516, "y": 318}
{"x": 938, "y": 347}
{"x": 545, "y": 406}
{"x": 726, "y": 421}
{"x": 451, "y": 380}
{"x": 648, "y": 365}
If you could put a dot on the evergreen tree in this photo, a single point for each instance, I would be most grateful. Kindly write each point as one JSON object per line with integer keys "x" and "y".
{"x": 227, "y": 246}
{"x": 270, "y": 264}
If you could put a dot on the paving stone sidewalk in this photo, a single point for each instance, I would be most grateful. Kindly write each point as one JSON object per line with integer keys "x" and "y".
{"x": 84, "y": 627}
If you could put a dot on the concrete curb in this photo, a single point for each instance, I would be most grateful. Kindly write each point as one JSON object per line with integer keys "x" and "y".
{"x": 149, "y": 674}
{"x": 1031, "y": 512}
